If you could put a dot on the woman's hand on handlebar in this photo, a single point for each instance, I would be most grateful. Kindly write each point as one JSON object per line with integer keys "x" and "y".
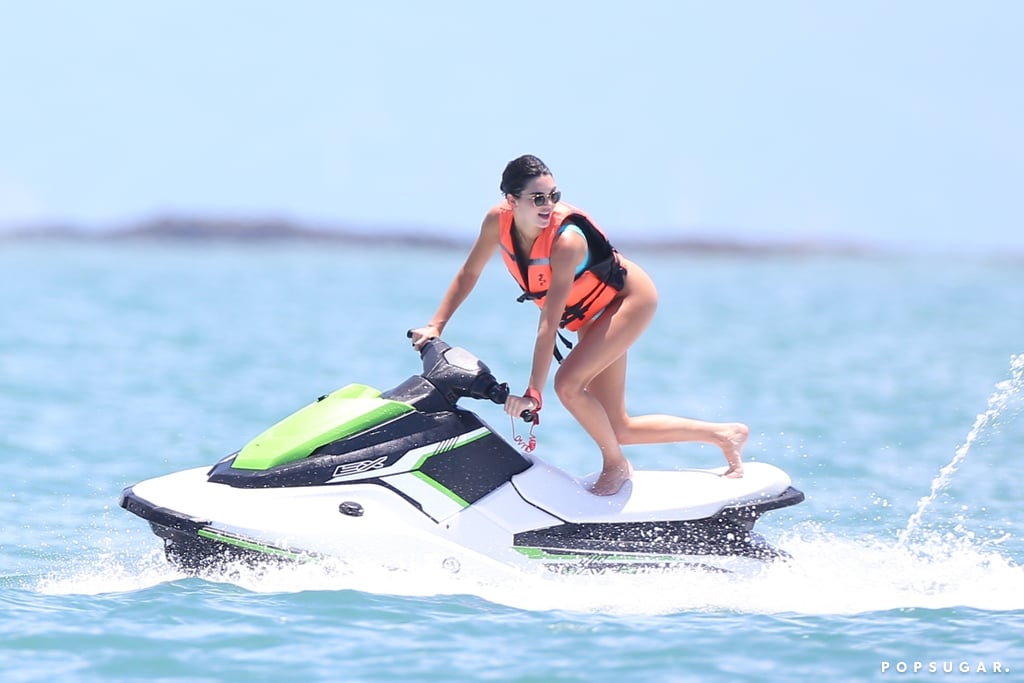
{"x": 420, "y": 335}
{"x": 517, "y": 405}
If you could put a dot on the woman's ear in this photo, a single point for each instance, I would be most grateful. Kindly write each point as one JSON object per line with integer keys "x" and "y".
{"x": 511, "y": 199}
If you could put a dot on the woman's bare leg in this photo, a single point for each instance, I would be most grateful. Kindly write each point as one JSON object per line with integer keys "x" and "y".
{"x": 591, "y": 385}
{"x": 601, "y": 344}
{"x": 609, "y": 388}
{"x": 604, "y": 343}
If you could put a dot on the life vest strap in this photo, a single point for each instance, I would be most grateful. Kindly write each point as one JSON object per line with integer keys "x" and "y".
{"x": 568, "y": 347}
{"x": 578, "y": 311}
{"x": 531, "y": 296}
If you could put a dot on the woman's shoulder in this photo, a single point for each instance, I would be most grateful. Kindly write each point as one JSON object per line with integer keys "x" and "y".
{"x": 496, "y": 215}
{"x": 499, "y": 209}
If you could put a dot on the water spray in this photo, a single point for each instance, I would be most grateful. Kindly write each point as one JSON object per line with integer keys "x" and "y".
{"x": 1005, "y": 390}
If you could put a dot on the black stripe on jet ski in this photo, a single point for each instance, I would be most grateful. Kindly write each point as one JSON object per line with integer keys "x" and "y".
{"x": 726, "y": 533}
{"x": 597, "y": 567}
{"x": 655, "y": 538}
{"x": 564, "y": 562}
{"x": 729, "y": 532}
{"x": 251, "y": 545}
{"x": 160, "y": 516}
{"x": 458, "y": 469}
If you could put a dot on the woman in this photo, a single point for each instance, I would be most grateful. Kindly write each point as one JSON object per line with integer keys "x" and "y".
{"x": 564, "y": 263}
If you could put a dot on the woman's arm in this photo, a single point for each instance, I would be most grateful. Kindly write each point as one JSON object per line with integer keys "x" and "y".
{"x": 567, "y": 253}
{"x": 465, "y": 280}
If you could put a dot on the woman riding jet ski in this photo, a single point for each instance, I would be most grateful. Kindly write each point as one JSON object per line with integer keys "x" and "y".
{"x": 409, "y": 468}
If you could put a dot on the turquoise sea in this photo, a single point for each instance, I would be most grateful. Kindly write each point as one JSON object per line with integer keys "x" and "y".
{"x": 889, "y": 387}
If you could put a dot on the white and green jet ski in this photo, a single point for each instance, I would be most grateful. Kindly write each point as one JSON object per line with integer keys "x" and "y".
{"x": 408, "y": 467}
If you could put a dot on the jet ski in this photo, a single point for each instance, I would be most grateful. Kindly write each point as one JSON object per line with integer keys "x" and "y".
{"x": 409, "y": 468}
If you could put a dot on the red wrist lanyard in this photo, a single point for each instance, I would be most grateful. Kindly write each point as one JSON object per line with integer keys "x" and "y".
{"x": 530, "y": 442}
{"x": 527, "y": 444}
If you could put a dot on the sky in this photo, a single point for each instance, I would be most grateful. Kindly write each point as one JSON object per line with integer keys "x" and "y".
{"x": 870, "y": 122}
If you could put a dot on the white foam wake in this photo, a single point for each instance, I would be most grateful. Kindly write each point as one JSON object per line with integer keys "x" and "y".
{"x": 826, "y": 575}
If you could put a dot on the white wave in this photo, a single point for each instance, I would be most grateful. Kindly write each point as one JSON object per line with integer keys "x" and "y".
{"x": 109, "y": 573}
{"x": 828, "y": 574}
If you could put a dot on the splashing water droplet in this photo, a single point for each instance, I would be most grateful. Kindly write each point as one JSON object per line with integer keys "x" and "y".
{"x": 996, "y": 403}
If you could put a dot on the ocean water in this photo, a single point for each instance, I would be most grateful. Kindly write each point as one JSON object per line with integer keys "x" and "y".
{"x": 889, "y": 387}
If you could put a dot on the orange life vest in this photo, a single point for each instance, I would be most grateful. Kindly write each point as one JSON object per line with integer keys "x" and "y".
{"x": 592, "y": 290}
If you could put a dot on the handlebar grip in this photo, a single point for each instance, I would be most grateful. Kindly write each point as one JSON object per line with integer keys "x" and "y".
{"x": 426, "y": 342}
{"x": 498, "y": 393}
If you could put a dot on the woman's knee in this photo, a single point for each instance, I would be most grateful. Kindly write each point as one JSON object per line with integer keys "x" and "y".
{"x": 567, "y": 387}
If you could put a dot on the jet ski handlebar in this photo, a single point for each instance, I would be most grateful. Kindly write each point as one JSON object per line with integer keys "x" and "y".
{"x": 457, "y": 373}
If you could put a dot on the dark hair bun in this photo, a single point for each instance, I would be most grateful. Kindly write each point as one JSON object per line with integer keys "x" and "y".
{"x": 520, "y": 171}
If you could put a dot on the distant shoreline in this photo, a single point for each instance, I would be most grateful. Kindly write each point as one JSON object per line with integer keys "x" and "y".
{"x": 199, "y": 230}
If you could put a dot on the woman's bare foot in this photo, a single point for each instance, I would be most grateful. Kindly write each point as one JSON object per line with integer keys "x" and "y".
{"x": 732, "y": 438}
{"x": 612, "y": 478}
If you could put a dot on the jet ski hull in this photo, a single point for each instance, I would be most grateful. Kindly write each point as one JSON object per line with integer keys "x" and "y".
{"x": 410, "y": 473}
{"x": 258, "y": 526}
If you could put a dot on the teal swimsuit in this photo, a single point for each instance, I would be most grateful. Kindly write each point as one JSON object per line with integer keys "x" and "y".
{"x": 586, "y": 260}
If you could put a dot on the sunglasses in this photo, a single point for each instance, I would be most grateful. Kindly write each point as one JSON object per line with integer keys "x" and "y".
{"x": 540, "y": 199}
